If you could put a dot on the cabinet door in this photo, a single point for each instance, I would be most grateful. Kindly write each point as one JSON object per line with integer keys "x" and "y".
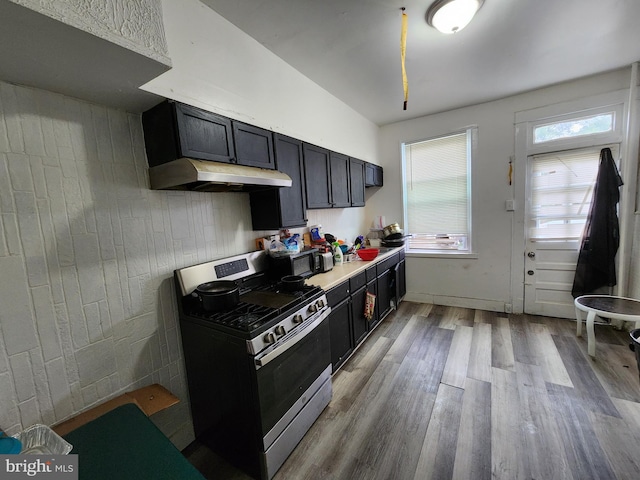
{"x": 402, "y": 280}
{"x": 340, "y": 333}
{"x": 377, "y": 176}
{"x": 356, "y": 176}
{"x": 293, "y": 203}
{"x": 204, "y": 135}
{"x": 384, "y": 295}
{"x": 282, "y": 207}
{"x": 372, "y": 287}
{"x": 373, "y": 175}
{"x": 369, "y": 173}
{"x": 254, "y": 146}
{"x": 339, "y": 172}
{"x": 360, "y": 323}
{"x": 316, "y": 174}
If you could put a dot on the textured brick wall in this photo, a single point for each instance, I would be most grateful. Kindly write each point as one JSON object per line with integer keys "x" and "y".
{"x": 87, "y": 252}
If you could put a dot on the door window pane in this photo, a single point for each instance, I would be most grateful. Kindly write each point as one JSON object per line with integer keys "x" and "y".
{"x": 561, "y": 191}
{"x": 574, "y": 128}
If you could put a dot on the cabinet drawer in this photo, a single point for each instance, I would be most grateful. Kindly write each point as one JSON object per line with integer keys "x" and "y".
{"x": 371, "y": 273}
{"x": 357, "y": 281}
{"x": 387, "y": 264}
{"x": 338, "y": 293}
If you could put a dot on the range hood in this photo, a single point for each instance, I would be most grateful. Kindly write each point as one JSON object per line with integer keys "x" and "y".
{"x": 205, "y": 176}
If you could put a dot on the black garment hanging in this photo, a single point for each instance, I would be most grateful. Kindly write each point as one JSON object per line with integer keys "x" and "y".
{"x": 601, "y": 235}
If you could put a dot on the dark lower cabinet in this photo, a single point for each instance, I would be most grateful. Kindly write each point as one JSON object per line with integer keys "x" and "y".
{"x": 402, "y": 280}
{"x": 360, "y": 323}
{"x": 341, "y": 336}
{"x": 384, "y": 298}
{"x": 282, "y": 207}
{"x": 347, "y": 321}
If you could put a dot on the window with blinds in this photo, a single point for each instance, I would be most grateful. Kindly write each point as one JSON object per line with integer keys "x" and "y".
{"x": 437, "y": 193}
{"x": 561, "y": 191}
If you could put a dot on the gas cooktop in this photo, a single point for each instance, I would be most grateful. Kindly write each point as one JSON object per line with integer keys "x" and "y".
{"x": 257, "y": 307}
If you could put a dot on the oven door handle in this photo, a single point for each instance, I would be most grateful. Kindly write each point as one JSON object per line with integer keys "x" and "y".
{"x": 262, "y": 361}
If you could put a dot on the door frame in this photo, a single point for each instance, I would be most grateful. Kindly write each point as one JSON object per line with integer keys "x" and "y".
{"x": 524, "y": 147}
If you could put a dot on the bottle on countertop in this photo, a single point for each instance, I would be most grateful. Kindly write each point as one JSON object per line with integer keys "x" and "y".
{"x": 337, "y": 253}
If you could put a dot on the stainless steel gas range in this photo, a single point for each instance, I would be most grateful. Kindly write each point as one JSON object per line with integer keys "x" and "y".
{"x": 259, "y": 374}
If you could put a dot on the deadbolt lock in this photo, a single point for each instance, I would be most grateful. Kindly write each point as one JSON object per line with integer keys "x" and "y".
{"x": 531, "y": 254}
{"x": 529, "y": 272}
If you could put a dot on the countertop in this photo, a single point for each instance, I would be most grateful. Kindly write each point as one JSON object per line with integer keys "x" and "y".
{"x": 340, "y": 273}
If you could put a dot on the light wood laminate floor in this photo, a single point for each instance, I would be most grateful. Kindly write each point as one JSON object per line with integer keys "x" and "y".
{"x": 453, "y": 393}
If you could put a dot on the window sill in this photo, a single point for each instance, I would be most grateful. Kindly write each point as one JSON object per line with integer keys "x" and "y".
{"x": 439, "y": 254}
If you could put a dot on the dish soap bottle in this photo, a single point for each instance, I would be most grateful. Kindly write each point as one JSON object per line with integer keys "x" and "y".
{"x": 337, "y": 253}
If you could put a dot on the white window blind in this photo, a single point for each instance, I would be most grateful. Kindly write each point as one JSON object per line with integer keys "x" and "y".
{"x": 561, "y": 192}
{"x": 437, "y": 192}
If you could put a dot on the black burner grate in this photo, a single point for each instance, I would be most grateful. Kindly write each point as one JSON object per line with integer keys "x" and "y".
{"x": 255, "y": 310}
{"x": 244, "y": 316}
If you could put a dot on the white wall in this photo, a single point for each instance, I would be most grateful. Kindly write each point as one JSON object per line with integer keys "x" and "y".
{"x": 87, "y": 251}
{"x": 219, "y": 68}
{"x": 483, "y": 281}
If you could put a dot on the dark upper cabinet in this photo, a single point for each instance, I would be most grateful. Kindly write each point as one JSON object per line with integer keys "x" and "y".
{"x": 356, "y": 182}
{"x": 204, "y": 135}
{"x": 373, "y": 175}
{"x": 317, "y": 180}
{"x": 173, "y": 130}
{"x": 339, "y": 174}
{"x": 254, "y": 146}
{"x": 332, "y": 179}
{"x": 282, "y": 207}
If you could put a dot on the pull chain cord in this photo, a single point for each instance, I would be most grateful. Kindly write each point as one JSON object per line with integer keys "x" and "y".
{"x": 403, "y": 52}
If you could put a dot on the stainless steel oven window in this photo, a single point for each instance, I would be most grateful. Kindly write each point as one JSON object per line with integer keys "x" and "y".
{"x": 286, "y": 377}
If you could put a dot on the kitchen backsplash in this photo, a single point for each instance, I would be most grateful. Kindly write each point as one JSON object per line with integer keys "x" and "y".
{"x": 87, "y": 253}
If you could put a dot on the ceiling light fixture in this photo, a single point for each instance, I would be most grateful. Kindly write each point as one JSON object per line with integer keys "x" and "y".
{"x": 451, "y": 16}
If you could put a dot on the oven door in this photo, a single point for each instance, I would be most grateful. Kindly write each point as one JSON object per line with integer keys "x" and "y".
{"x": 288, "y": 372}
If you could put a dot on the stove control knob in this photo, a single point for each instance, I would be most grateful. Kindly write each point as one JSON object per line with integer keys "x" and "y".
{"x": 269, "y": 338}
{"x": 320, "y": 303}
{"x": 280, "y": 330}
{"x": 298, "y": 319}
{"x": 313, "y": 308}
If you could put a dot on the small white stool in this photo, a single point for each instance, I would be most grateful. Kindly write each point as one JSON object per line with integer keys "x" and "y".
{"x": 604, "y": 306}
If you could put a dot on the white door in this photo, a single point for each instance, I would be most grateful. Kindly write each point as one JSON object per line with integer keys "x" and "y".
{"x": 559, "y": 191}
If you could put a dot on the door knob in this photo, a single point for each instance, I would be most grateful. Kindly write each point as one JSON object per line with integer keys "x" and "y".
{"x": 529, "y": 272}
{"x": 531, "y": 254}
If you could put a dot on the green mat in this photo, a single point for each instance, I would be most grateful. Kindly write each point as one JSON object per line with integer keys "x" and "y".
{"x": 124, "y": 444}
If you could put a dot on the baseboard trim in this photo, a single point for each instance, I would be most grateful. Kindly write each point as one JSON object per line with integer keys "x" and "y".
{"x": 477, "y": 303}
